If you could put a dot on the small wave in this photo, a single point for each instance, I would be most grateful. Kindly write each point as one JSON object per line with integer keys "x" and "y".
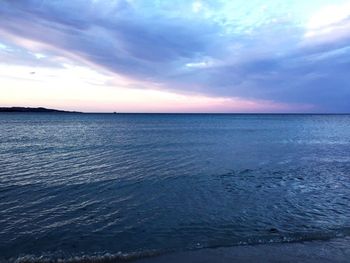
{"x": 276, "y": 238}
{"x": 104, "y": 258}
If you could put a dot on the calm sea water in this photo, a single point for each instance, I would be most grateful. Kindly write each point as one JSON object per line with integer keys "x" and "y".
{"x": 99, "y": 184}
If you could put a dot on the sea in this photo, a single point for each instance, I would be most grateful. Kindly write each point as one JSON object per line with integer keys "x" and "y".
{"x": 129, "y": 186}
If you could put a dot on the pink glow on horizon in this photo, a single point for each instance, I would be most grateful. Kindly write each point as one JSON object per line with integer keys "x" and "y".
{"x": 82, "y": 89}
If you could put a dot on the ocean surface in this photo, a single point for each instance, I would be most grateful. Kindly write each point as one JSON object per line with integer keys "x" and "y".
{"x": 133, "y": 185}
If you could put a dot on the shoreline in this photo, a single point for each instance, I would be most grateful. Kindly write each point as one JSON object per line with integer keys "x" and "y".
{"x": 335, "y": 250}
{"x": 320, "y": 251}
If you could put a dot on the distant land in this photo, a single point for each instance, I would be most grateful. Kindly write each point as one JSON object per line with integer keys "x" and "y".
{"x": 34, "y": 110}
{"x": 46, "y": 110}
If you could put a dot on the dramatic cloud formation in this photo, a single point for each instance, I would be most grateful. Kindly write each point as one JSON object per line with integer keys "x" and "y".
{"x": 201, "y": 55}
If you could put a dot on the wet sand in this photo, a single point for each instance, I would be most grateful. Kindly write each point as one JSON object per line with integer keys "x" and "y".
{"x": 336, "y": 250}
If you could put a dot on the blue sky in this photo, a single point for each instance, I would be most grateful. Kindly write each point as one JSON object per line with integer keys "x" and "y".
{"x": 198, "y": 56}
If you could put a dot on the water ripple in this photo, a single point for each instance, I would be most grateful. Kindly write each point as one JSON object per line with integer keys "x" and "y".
{"x": 87, "y": 185}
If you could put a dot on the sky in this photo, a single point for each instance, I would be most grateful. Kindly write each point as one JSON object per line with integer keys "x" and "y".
{"x": 176, "y": 56}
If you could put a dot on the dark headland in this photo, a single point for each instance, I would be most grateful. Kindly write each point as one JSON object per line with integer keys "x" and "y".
{"x": 34, "y": 110}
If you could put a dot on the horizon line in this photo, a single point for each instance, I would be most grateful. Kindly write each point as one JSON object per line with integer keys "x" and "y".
{"x": 178, "y": 113}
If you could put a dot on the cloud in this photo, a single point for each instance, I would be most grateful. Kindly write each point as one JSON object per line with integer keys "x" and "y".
{"x": 214, "y": 48}
{"x": 329, "y": 16}
{"x": 329, "y": 24}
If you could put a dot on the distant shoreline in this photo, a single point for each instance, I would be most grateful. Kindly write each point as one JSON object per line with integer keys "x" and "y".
{"x": 33, "y": 110}
{"x": 46, "y": 110}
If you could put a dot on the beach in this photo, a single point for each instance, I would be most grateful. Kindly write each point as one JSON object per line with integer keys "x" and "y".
{"x": 335, "y": 250}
